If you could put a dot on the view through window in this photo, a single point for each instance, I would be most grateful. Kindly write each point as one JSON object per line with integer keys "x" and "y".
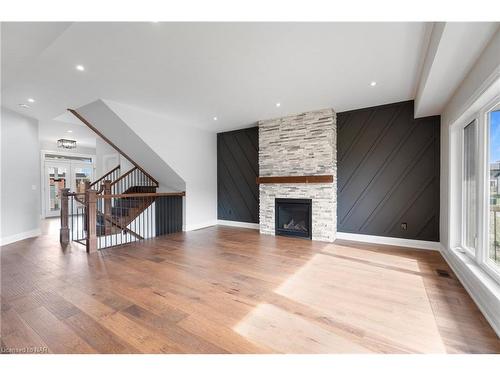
{"x": 494, "y": 201}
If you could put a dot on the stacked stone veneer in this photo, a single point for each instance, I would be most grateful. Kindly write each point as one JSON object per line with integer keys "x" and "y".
{"x": 300, "y": 145}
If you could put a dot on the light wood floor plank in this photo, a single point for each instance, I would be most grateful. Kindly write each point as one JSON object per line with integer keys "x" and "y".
{"x": 232, "y": 290}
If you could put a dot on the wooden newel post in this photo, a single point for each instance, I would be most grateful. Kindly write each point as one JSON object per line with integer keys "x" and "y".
{"x": 64, "y": 231}
{"x": 91, "y": 200}
{"x": 87, "y": 187}
{"x": 107, "y": 207}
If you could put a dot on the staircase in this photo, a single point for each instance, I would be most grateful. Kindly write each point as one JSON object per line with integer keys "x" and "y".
{"x": 125, "y": 210}
{"x": 119, "y": 208}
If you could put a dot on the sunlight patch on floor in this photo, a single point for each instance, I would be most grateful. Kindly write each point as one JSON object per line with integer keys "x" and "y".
{"x": 390, "y": 304}
{"x": 286, "y": 332}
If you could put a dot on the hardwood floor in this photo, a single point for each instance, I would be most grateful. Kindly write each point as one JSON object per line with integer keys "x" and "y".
{"x": 229, "y": 290}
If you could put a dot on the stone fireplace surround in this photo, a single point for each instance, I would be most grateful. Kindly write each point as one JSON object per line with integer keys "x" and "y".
{"x": 300, "y": 145}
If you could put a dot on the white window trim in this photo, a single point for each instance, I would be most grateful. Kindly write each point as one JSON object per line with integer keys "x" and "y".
{"x": 480, "y": 255}
{"x": 467, "y": 250}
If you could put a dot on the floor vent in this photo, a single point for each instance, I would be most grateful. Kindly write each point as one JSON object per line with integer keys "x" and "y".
{"x": 443, "y": 273}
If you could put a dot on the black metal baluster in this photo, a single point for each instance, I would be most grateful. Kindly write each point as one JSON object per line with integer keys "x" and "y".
{"x": 121, "y": 223}
{"x": 141, "y": 232}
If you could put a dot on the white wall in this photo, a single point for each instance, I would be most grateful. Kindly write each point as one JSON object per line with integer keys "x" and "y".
{"x": 20, "y": 177}
{"x": 484, "y": 72}
{"x": 117, "y": 131}
{"x": 102, "y": 151}
{"x": 481, "y": 84}
{"x": 191, "y": 152}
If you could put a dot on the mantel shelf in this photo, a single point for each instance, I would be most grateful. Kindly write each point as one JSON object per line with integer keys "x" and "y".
{"x": 295, "y": 179}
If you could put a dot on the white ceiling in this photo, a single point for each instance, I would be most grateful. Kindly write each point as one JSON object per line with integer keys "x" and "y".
{"x": 191, "y": 72}
{"x": 51, "y": 131}
{"x": 454, "y": 48}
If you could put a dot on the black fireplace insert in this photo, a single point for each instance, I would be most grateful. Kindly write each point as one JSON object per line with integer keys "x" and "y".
{"x": 293, "y": 217}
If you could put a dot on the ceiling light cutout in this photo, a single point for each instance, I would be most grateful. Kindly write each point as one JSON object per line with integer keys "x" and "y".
{"x": 31, "y": 100}
{"x": 373, "y": 83}
{"x": 215, "y": 118}
{"x": 80, "y": 68}
{"x": 278, "y": 105}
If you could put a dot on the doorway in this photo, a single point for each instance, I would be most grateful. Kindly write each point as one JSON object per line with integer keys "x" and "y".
{"x": 60, "y": 174}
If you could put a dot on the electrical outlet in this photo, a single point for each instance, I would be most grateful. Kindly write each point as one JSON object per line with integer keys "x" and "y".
{"x": 404, "y": 226}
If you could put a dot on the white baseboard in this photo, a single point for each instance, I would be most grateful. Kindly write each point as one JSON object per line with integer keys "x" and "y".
{"x": 20, "y": 236}
{"x": 402, "y": 242}
{"x": 207, "y": 224}
{"x": 239, "y": 224}
{"x": 481, "y": 287}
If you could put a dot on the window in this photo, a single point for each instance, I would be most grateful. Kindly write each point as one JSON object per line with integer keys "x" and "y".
{"x": 477, "y": 176}
{"x": 493, "y": 123}
{"x": 470, "y": 187}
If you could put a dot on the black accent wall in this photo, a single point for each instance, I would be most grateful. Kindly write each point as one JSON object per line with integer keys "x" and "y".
{"x": 387, "y": 168}
{"x": 388, "y": 172}
{"x": 237, "y": 170}
{"x": 168, "y": 215}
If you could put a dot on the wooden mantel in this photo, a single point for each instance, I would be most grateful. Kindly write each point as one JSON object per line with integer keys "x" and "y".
{"x": 295, "y": 179}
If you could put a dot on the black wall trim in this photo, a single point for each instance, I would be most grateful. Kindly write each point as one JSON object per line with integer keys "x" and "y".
{"x": 388, "y": 172}
{"x": 237, "y": 170}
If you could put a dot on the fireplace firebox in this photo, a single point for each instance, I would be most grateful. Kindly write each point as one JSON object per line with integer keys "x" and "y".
{"x": 293, "y": 217}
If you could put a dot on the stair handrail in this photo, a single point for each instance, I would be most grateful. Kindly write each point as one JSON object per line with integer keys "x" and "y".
{"x": 123, "y": 176}
{"x": 105, "y": 177}
{"x": 82, "y": 119}
{"x": 98, "y": 205}
{"x": 145, "y": 195}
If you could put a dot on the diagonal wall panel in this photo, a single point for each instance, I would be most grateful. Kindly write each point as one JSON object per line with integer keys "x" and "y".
{"x": 237, "y": 170}
{"x": 388, "y": 172}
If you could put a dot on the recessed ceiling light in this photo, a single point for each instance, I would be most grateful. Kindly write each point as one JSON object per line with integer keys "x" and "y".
{"x": 81, "y": 68}
{"x": 31, "y": 100}
{"x": 373, "y": 83}
{"x": 215, "y": 118}
{"x": 24, "y": 105}
{"x": 70, "y": 131}
{"x": 278, "y": 104}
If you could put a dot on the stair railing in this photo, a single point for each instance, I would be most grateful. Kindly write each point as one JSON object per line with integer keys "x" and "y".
{"x": 134, "y": 177}
{"x": 112, "y": 175}
{"x": 98, "y": 224}
{"x": 74, "y": 208}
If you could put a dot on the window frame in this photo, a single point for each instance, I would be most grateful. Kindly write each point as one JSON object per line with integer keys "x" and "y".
{"x": 482, "y": 257}
{"x": 470, "y": 252}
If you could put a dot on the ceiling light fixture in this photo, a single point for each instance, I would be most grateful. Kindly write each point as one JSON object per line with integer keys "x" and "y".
{"x": 31, "y": 100}
{"x": 81, "y": 68}
{"x": 278, "y": 105}
{"x": 215, "y": 118}
{"x": 70, "y": 131}
{"x": 66, "y": 143}
{"x": 373, "y": 83}
{"x": 24, "y": 105}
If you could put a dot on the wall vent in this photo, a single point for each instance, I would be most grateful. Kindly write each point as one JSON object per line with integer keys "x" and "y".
{"x": 443, "y": 273}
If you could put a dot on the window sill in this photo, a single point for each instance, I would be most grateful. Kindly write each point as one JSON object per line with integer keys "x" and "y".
{"x": 483, "y": 289}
